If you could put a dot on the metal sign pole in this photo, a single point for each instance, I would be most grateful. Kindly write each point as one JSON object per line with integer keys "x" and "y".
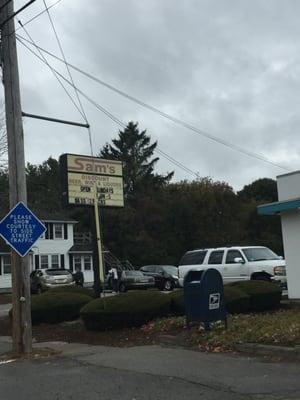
{"x": 98, "y": 236}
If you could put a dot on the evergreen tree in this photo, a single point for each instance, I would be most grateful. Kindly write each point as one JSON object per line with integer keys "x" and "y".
{"x": 135, "y": 150}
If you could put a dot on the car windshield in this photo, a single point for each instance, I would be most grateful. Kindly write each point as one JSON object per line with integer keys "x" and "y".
{"x": 134, "y": 273}
{"x": 260, "y": 254}
{"x": 57, "y": 272}
{"x": 171, "y": 270}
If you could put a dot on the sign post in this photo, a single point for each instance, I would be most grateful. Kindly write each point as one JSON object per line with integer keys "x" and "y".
{"x": 94, "y": 182}
{"x": 20, "y": 228}
{"x": 98, "y": 236}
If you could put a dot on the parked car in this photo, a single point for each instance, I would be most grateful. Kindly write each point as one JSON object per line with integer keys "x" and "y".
{"x": 236, "y": 263}
{"x": 166, "y": 276}
{"x": 41, "y": 280}
{"x": 135, "y": 280}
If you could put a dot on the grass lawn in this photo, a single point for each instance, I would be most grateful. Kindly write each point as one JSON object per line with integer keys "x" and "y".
{"x": 280, "y": 328}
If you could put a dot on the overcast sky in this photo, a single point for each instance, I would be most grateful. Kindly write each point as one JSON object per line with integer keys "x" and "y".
{"x": 229, "y": 67}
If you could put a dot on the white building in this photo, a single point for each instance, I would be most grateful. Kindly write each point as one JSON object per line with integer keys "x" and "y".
{"x": 54, "y": 249}
{"x": 288, "y": 207}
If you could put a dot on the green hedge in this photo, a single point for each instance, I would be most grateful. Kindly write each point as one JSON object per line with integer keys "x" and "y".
{"x": 72, "y": 289}
{"x": 57, "y": 307}
{"x": 125, "y": 310}
{"x": 263, "y": 295}
{"x": 236, "y": 300}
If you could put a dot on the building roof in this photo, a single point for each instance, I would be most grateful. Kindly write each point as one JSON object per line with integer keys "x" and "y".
{"x": 278, "y": 207}
{"x": 50, "y": 217}
{"x": 81, "y": 248}
{"x": 55, "y": 217}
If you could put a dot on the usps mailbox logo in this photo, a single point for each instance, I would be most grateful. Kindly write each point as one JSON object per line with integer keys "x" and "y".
{"x": 214, "y": 301}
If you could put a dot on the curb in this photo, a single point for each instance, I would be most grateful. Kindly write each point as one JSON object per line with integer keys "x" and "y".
{"x": 269, "y": 350}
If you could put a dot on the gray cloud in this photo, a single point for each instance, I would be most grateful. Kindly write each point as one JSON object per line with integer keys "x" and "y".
{"x": 230, "y": 68}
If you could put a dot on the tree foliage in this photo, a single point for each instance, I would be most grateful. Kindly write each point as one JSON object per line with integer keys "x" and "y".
{"x": 134, "y": 148}
{"x": 161, "y": 220}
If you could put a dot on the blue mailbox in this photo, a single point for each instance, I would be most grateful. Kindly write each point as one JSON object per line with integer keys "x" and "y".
{"x": 204, "y": 297}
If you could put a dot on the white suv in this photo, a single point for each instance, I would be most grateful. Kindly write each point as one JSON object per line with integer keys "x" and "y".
{"x": 236, "y": 263}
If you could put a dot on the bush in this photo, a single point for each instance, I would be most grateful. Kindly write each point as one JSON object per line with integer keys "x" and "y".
{"x": 57, "y": 307}
{"x": 177, "y": 302}
{"x": 236, "y": 300}
{"x": 125, "y": 310}
{"x": 72, "y": 289}
{"x": 263, "y": 295}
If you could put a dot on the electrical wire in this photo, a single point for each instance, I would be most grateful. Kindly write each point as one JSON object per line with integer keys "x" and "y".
{"x": 69, "y": 73}
{"x": 5, "y": 4}
{"x": 54, "y": 73}
{"x": 34, "y": 17}
{"x": 107, "y": 113}
{"x": 178, "y": 121}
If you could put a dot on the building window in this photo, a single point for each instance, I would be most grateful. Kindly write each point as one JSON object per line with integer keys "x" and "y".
{"x": 54, "y": 261}
{"x": 44, "y": 261}
{"x": 58, "y": 231}
{"x": 6, "y": 264}
{"x": 77, "y": 262}
{"x": 87, "y": 261}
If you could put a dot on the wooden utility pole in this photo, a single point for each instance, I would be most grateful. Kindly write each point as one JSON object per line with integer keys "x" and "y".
{"x": 22, "y": 332}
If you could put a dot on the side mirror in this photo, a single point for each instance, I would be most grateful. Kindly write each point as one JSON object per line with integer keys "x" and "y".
{"x": 239, "y": 260}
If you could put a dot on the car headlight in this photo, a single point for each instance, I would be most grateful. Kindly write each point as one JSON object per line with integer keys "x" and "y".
{"x": 279, "y": 271}
{"x": 175, "y": 276}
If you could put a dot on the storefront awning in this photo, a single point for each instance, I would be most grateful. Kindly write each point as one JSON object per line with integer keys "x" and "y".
{"x": 278, "y": 207}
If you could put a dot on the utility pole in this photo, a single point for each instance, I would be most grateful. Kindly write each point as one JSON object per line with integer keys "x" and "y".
{"x": 21, "y": 315}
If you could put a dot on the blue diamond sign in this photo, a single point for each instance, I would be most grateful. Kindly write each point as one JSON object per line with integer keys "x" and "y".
{"x": 21, "y": 229}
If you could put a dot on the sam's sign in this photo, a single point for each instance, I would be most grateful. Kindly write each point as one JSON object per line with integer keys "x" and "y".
{"x": 88, "y": 178}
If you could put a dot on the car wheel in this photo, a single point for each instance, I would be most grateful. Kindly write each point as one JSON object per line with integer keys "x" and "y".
{"x": 168, "y": 285}
{"x": 122, "y": 288}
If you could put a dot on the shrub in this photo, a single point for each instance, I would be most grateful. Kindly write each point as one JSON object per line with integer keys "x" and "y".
{"x": 236, "y": 300}
{"x": 263, "y": 295}
{"x": 125, "y": 310}
{"x": 57, "y": 307}
{"x": 72, "y": 289}
{"x": 177, "y": 302}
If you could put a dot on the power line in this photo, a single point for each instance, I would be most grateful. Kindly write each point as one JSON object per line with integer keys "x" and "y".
{"x": 111, "y": 116}
{"x": 178, "y": 121}
{"x": 69, "y": 72}
{"x": 53, "y": 72}
{"x": 34, "y": 17}
{"x": 16, "y": 12}
{"x": 5, "y": 4}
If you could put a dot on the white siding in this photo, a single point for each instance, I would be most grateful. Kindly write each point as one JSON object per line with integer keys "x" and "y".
{"x": 288, "y": 186}
{"x": 56, "y": 246}
{"x": 47, "y": 246}
{"x": 291, "y": 239}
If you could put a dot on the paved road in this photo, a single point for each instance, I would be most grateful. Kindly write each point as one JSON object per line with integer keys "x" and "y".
{"x": 147, "y": 372}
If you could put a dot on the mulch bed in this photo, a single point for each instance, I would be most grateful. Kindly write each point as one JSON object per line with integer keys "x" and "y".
{"x": 75, "y": 332}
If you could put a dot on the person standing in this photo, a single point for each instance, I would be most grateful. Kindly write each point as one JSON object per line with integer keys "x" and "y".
{"x": 115, "y": 279}
{"x": 78, "y": 277}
